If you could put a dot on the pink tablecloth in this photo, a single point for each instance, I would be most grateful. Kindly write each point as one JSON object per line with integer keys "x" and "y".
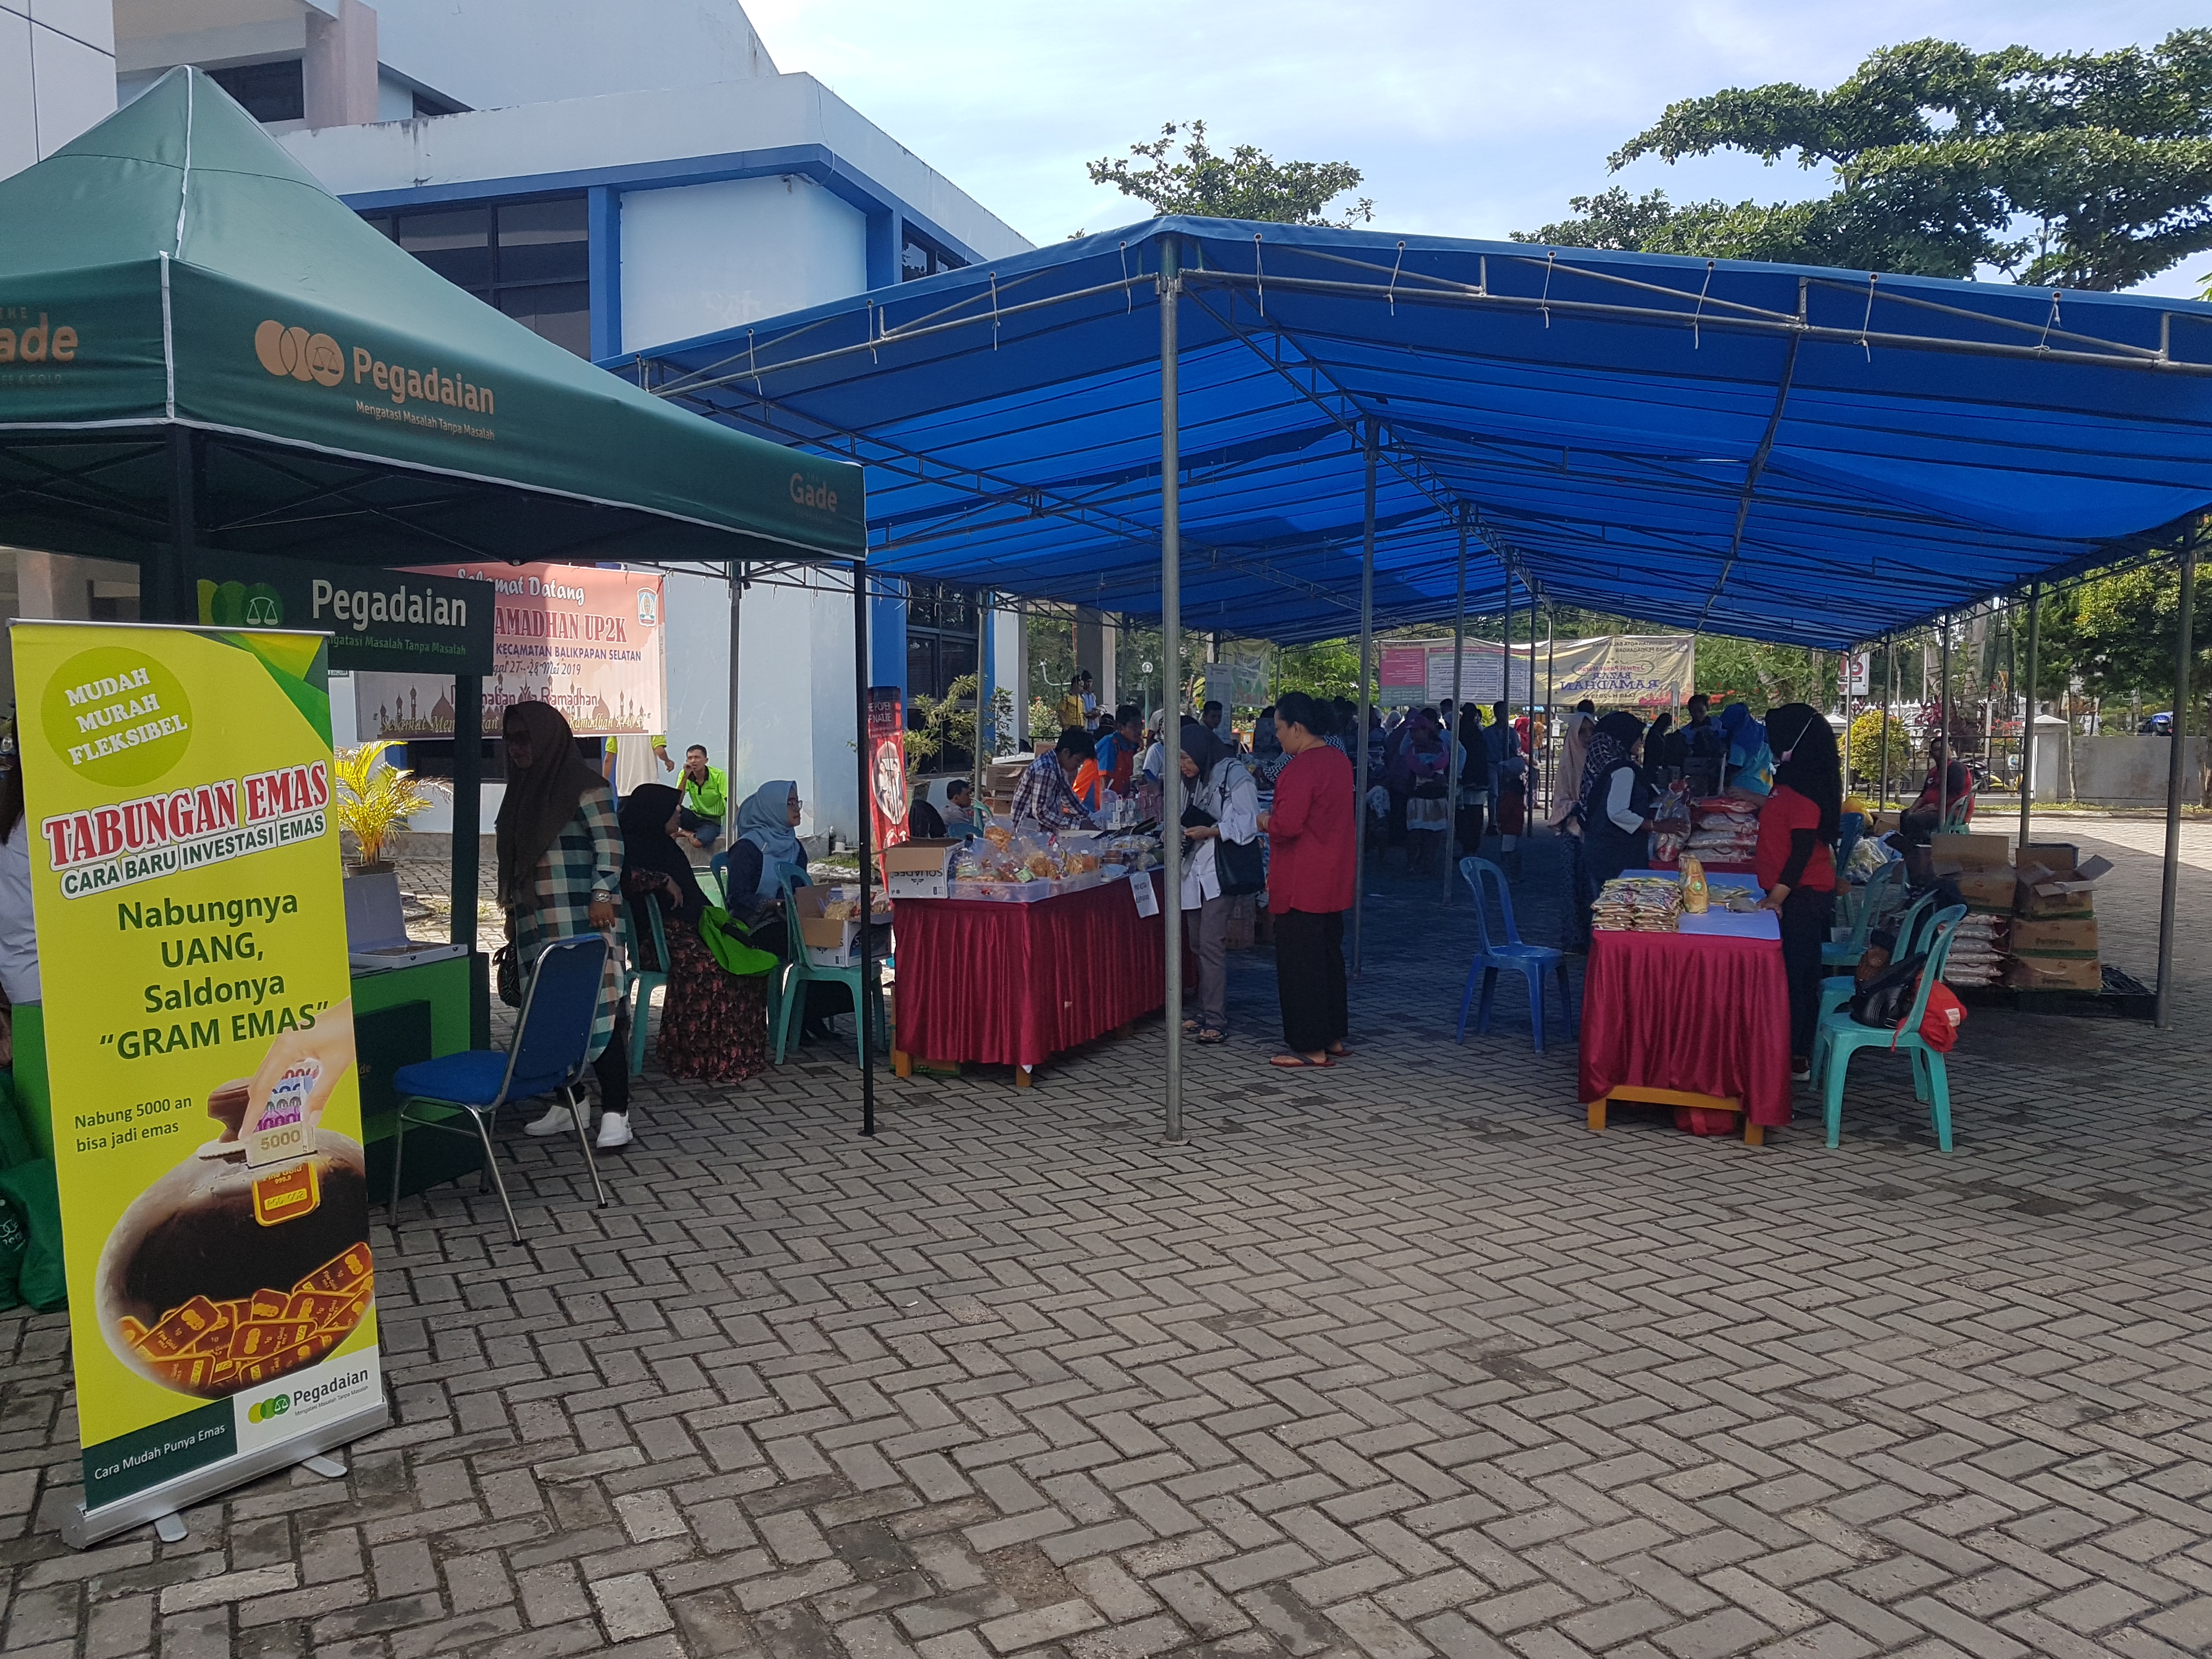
{"x": 1012, "y": 984}
{"x": 1700, "y": 1013}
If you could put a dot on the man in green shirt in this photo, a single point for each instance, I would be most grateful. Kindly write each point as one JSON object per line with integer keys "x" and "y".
{"x": 706, "y": 800}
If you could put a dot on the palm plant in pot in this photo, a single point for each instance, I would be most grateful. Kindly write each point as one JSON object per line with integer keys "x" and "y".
{"x": 374, "y": 801}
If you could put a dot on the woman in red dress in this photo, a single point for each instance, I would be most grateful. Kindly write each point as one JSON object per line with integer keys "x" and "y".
{"x": 1797, "y": 860}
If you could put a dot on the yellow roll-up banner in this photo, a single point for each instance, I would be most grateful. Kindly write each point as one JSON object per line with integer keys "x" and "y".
{"x": 199, "y": 1043}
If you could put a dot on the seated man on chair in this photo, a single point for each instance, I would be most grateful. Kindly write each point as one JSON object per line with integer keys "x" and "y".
{"x": 1948, "y": 784}
{"x": 706, "y": 800}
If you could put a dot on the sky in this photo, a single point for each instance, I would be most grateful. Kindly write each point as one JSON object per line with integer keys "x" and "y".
{"x": 1469, "y": 120}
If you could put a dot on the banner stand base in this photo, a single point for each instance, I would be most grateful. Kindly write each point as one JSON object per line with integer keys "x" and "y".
{"x": 81, "y": 1529}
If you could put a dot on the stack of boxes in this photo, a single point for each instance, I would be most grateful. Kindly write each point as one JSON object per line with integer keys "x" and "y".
{"x": 1981, "y": 865}
{"x": 2054, "y": 930}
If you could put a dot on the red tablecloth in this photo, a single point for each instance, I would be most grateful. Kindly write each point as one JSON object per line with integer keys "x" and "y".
{"x": 1011, "y": 984}
{"x": 1704, "y": 1015}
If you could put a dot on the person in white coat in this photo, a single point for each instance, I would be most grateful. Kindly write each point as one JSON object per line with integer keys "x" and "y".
{"x": 1223, "y": 806}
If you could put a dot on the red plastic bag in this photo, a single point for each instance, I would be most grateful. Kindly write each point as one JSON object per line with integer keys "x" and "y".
{"x": 1939, "y": 1024}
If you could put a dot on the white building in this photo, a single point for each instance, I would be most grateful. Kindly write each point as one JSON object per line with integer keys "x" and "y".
{"x": 616, "y": 176}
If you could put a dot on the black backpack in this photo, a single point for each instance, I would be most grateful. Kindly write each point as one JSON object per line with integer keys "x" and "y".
{"x": 1888, "y": 1000}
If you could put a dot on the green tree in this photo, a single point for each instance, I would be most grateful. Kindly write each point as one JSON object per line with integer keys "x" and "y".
{"x": 2074, "y": 169}
{"x": 1247, "y": 183}
{"x": 1327, "y": 668}
{"x": 1730, "y": 669}
{"x": 2123, "y": 632}
{"x": 1866, "y": 747}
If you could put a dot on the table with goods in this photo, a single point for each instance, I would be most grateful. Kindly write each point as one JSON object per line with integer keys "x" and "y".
{"x": 1685, "y": 1002}
{"x": 1022, "y": 943}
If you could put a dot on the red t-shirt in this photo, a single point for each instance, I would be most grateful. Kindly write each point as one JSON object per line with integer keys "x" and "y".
{"x": 1786, "y": 811}
{"x": 1309, "y": 834}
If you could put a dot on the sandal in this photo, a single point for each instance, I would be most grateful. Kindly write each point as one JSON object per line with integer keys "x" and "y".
{"x": 1190, "y": 1026}
{"x": 1289, "y": 1061}
{"x": 1211, "y": 1034}
{"x": 1338, "y": 1051}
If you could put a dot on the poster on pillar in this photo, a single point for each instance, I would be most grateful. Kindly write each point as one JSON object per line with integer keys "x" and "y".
{"x": 887, "y": 797}
{"x": 589, "y": 642}
{"x": 1241, "y": 677}
{"x": 185, "y": 879}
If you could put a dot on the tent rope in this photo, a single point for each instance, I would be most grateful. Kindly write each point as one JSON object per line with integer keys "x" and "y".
{"x": 1866, "y": 323}
{"x": 1697, "y": 337}
{"x": 1258, "y": 276}
{"x": 1393, "y": 294}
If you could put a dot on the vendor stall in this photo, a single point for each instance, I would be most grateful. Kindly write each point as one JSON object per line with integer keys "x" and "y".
{"x": 1686, "y": 1011}
{"x": 1023, "y": 945}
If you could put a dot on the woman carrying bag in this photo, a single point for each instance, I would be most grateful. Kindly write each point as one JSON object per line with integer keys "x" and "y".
{"x": 1221, "y": 828}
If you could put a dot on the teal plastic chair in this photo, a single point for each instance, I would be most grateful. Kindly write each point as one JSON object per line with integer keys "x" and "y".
{"x": 798, "y": 973}
{"x": 718, "y": 867}
{"x": 1837, "y": 989}
{"x": 1507, "y": 955}
{"x": 1874, "y": 899}
{"x": 1841, "y": 1036}
{"x": 639, "y": 983}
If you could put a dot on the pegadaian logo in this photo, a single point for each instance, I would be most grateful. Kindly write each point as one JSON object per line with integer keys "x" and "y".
{"x": 262, "y": 1410}
{"x": 295, "y": 352}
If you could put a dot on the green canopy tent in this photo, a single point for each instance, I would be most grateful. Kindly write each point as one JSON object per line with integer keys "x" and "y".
{"x": 201, "y": 349}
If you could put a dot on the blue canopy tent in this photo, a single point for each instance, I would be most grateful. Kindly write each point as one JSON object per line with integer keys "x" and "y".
{"x": 1315, "y": 433}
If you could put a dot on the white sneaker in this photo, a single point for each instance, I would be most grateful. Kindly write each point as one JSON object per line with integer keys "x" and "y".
{"x": 562, "y": 1120}
{"x": 614, "y": 1131}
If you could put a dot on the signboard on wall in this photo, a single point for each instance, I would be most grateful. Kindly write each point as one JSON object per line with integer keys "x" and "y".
{"x": 589, "y": 642}
{"x": 392, "y": 621}
{"x": 1482, "y": 674}
{"x": 1621, "y": 670}
{"x": 199, "y": 1042}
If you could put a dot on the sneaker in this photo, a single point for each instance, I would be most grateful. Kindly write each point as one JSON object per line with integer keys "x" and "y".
{"x": 614, "y": 1131}
{"x": 563, "y": 1120}
{"x": 1800, "y": 1070}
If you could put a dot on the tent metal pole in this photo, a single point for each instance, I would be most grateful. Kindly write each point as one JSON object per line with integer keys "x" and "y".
{"x": 2169, "y": 884}
{"x": 1943, "y": 726}
{"x": 1171, "y": 672}
{"x": 171, "y": 591}
{"x": 737, "y": 614}
{"x": 1551, "y": 709}
{"x": 2027, "y": 720}
{"x": 468, "y": 807}
{"x": 1366, "y": 703}
{"x": 1451, "y": 731}
{"x": 861, "y": 998}
{"x": 983, "y": 696}
{"x": 1889, "y": 696}
{"x": 1021, "y": 678}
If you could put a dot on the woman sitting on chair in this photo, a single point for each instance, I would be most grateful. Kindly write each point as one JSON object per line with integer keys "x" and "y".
{"x": 713, "y": 1024}
{"x": 767, "y": 845}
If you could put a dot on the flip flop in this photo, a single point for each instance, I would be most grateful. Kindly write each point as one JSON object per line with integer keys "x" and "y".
{"x": 1190, "y": 1026}
{"x": 1209, "y": 1034}
{"x": 1340, "y": 1052}
{"x": 1292, "y": 1061}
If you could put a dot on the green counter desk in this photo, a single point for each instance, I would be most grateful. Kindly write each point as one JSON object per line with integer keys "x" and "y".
{"x": 401, "y": 1015}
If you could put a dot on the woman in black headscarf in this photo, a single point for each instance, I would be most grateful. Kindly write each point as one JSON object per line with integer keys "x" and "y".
{"x": 1616, "y": 805}
{"x": 713, "y": 1024}
{"x": 559, "y": 875}
{"x": 1797, "y": 860}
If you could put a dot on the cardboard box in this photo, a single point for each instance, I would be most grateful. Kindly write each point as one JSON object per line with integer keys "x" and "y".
{"x": 1988, "y": 890}
{"x": 2053, "y": 882}
{"x": 1951, "y": 855}
{"x": 2053, "y": 974}
{"x": 829, "y": 944}
{"x": 2065, "y": 936}
{"x": 919, "y": 869}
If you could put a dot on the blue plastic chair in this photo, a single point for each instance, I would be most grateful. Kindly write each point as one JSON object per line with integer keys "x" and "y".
{"x": 798, "y": 973}
{"x": 1841, "y": 1036}
{"x": 1837, "y": 989}
{"x": 639, "y": 983}
{"x": 546, "y": 1057}
{"x": 1508, "y": 955}
{"x": 1873, "y": 898}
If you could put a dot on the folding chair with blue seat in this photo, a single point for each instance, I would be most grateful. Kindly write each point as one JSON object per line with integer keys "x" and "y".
{"x": 1841, "y": 1036}
{"x": 1874, "y": 899}
{"x": 1508, "y": 955}
{"x": 799, "y": 972}
{"x": 639, "y": 984}
{"x": 546, "y": 1057}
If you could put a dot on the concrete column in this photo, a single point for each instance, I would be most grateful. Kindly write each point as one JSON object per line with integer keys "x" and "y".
{"x": 1109, "y": 642}
{"x": 338, "y": 71}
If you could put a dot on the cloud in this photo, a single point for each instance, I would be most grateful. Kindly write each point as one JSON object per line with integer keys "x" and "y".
{"x": 1468, "y": 119}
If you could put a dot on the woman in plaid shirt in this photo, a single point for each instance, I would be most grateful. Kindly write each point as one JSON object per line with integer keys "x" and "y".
{"x": 559, "y": 875}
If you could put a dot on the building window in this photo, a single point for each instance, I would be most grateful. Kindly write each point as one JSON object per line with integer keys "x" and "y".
{"x": 269, "y": 92}
{"x": 531, "y": 260}
{"x": 921, "y": 257}
{"x": 940, "y": 638}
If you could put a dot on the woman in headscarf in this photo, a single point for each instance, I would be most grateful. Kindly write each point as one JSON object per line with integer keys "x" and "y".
{"x": 767, "y": 823}
{"x": 560, "y": 876}
{"x": 1224, "y": 806}
{"x": 1796, "y": 861}
{"x": 1473, "y": 803}
{"x": 1574, "y": 755}
{"x": 713, "y": 1024}
{"x": 1750, "y": 761}
{"x": 1615, "y": 805}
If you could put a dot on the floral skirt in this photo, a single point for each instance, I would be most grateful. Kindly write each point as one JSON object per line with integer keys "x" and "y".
{"x": 713, "y": 1026}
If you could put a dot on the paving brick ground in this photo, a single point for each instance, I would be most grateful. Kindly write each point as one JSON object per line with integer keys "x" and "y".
{"x": 1397, "y": 1362}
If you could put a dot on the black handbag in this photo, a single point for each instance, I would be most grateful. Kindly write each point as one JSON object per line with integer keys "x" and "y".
{"x": 1242, "y": 868}
{"x": 1888, "y": 1000}
{"x": 507, "y": 975}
